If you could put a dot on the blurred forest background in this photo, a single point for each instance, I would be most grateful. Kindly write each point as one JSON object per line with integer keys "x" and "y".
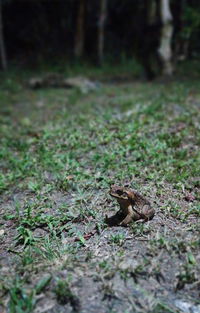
{"x": 152, "y": 32}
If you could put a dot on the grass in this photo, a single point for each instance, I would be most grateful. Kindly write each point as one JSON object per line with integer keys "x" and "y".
{"x": 60, "y": 151}
{"x": 65, "y": 295}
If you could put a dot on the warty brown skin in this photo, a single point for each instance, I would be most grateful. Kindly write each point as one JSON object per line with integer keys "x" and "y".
{"x": 133, "y": 206}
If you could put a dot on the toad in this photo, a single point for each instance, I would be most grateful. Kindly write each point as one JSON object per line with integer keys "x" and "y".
{"x": 133, "y": 206}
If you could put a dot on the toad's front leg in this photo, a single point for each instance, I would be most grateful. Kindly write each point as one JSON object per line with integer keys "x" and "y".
{"x": 128, "y": 218}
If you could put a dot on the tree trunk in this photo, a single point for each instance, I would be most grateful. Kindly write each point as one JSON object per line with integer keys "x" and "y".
{"x": 148, "y": 44}
{"x": 165, "y": 51}
{"x": 2, "y": 45}
{"x": 151, "y": 12}
{"x": 101, "y": 33}
{"x": 181, "y": 42}
{"x": 80, "y": 31}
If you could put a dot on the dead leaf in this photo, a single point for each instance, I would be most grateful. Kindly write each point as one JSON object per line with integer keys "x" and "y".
{"x": 69, "y": 177}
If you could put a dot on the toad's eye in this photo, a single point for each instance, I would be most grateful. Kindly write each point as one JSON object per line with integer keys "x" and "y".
{"x": 120, "y": 192}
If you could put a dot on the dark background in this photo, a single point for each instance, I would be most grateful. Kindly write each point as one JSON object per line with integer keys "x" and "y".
{"x": 44, "y": 30}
